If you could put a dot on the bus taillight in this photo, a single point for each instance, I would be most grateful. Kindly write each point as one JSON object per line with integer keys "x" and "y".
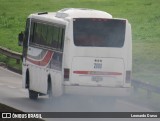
{"x": 66, "y": 74}
{"x": 128, "y": 76}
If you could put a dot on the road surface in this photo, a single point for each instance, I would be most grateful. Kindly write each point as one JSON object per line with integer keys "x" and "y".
{"x": 12, "y": 94}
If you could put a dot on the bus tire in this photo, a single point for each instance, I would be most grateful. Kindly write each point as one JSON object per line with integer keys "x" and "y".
{"x": 49, "y": 88}
{"x": 33, "y": 94}
{"x": 27, "y": 79}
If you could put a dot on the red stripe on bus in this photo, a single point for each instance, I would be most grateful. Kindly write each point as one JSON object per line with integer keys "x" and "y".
{"x": 97, "y": 73}
{"x": 45, "y": 60}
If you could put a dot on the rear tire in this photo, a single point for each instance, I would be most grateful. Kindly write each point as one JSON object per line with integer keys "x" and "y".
{"x": 50, "y": 94}
{"x": 27, "y": 79}
{"x": 49, "y": 91}
{"x": 33, "y": 94}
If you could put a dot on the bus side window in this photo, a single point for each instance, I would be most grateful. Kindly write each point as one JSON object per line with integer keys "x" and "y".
{"x": 60, "y": 38}
{"x": 32, "y": 31}
{"x": 56, "y": 39}
{"x": 47, "y": 35}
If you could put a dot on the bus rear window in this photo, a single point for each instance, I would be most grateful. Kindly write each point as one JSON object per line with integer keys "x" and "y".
{"x": 99, "y": 32}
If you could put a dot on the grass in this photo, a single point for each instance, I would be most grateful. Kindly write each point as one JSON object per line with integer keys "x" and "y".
{"x": 143, "y": 15}
{"x": 146, "y": 62}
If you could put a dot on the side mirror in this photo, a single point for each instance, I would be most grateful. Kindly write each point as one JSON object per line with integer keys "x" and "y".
{"x": 20, "y": 39}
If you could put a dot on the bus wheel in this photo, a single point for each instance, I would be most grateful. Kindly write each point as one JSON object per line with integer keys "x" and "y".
{"x": 49, "y": 91}
{"x": 33, "y": 95}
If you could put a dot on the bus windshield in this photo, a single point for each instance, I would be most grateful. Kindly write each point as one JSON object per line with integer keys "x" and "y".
{"x": 95, "y": 32}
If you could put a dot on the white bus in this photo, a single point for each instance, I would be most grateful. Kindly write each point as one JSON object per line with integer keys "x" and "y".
{"x": 77, "y": 51}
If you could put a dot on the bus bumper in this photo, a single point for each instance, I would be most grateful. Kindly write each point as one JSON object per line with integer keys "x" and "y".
{"x": 101, "y": 91}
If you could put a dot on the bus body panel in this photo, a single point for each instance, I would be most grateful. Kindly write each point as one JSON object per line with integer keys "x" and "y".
{"x": 128, "y": 55}
{"x": 92, "y": 71}
{"x": 42, "y": 63}
{"x": 97, "y": 90}
{"x": 83, "y": 75}
{"x": 57, "y": 84}
{"x": 24, "y": 76}
{"x": 38, "y": 72}
{"x": 38, "y": 81}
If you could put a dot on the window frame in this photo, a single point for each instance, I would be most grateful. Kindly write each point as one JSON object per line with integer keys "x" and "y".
{"x": 99, "y": 20}
{"x": 60, "y": 40}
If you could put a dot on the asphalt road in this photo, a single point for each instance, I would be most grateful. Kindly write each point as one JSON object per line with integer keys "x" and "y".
{"x": 12, "y": 94}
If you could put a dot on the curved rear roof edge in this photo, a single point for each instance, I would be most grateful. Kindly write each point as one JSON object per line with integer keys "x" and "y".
{"x": 82, "y": 13}
{"x": 68, "y": 13}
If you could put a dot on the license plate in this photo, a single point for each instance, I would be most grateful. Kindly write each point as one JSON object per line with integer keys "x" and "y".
{"x": 97, "y": 78}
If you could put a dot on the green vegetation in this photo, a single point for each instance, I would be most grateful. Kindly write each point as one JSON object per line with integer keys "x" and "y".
{"x": 143, "y": 15}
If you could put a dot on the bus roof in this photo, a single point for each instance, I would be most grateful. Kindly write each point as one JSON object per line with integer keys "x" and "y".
{"x": 82, "y": 13}
{"x": 69, "y": 13}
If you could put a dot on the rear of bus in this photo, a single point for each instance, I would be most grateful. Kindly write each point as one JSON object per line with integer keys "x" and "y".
{"x": 100, "y": 57}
